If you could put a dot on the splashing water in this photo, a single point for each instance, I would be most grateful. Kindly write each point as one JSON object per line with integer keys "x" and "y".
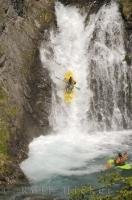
{"x": 75, "y": 144}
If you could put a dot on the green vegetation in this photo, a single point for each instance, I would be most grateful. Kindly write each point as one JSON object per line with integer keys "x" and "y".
{"x": 3, "y": 96}
{"x": 4, "y": 135}
{"x": 3, "y": 162}
{"x": 45, "y": 16}
{"x": 7, "y": 112}
{"x": 115, "y": 187}
{"x": 128, "y": 59}
{"x": 12, "y": 111}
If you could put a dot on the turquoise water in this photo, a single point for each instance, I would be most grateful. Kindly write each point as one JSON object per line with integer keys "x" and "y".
{"x": 58, "y": 187}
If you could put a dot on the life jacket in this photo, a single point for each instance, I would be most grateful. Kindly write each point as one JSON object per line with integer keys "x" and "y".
{"x": 120, "y": 161}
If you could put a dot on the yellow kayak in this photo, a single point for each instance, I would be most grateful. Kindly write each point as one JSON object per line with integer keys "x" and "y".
{"x": 68, "y": 96}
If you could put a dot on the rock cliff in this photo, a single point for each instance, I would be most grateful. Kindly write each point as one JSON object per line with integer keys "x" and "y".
{"x": 25, "y": 87}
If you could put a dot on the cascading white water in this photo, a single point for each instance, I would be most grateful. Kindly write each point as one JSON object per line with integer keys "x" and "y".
{"x": 70, "y": 49}
{"x": 71, "y": 149}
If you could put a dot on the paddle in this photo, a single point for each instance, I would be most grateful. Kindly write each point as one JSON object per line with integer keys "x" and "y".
{"x": 63, "y": 80}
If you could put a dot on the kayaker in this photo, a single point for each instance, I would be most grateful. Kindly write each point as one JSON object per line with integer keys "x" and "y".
{"x": 120, "y": 159}
{"x": 70, "y": 84}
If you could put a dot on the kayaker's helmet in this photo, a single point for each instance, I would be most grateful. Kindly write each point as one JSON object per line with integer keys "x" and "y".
{"x": 70, "y": 79}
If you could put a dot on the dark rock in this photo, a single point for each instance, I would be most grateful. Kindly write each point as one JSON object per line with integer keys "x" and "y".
{"x": 94, "y": 4}
{"x": 2, "y": 60}
{"x": 18, "y": 6}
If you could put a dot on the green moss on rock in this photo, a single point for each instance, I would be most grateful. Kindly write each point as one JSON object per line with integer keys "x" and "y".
{"x": 126, "y": 6}
{"x": 4, "y": 134}
{"x": 4, "y": 137}
{"x": 11, "y": 111}
{"x": 7, "y": 112}
{"x": 3, "y": 96}
{"x": 3, "y": 160}
{"x": 44, "y": 16}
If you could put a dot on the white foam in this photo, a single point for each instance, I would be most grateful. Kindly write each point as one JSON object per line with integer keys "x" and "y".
{"x": 70, "y": 154}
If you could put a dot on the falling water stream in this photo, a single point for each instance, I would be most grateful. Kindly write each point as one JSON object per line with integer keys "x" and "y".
{"x": 90, "y": 130}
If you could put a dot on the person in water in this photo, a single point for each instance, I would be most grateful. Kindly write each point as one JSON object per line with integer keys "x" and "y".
{"x": 118, "y": 161}
{"x": 121, "y": 159}
{"x": 70, "y": 84}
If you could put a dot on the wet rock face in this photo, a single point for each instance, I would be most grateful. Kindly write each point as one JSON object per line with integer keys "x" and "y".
{"x": 126, "y": 11}
{"x": 126, "y": 6}
{"x": 25, "y": 84}
{"x": 66, "y": 2}
{"x": 91, "y": 5}
{"x": 20, "y": 66}
{"x": 38, "y": 99}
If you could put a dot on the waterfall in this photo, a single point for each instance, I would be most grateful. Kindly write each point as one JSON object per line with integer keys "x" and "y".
{"x": 69, "y": 46}
{"x": 108, "y": 79}
{"x": 94, "y": 50}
